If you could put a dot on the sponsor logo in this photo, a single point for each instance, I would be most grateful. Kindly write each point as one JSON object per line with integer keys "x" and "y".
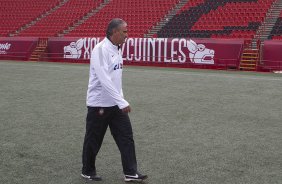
{"x": 73, "y": 50}
{"x": 80, "y": 49}
{"x": 132, "y": 176}
{"x": 101, "y": 111}
{"x": 4, "y": 47}
{"x": 199, "y": 53}
{"x": 118, "y": 66}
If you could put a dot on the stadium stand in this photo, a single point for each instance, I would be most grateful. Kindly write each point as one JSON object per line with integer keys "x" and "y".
{"x": 252, "y": 21}
{"x": 61, "y": 19}
{"x": 18, "y": 13}
{"x": 276, "y": 33}
{"x": 140, "y": 15}
{"x": 196, "y": 19}
{"x": 217, "y": 19}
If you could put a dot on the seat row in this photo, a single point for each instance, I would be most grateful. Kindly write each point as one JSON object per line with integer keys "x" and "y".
{"x": 22, "y": 12}
{"x": 63, "y": 17}
{"x": 149, "y": 12}
{"x": 237, "y": 16}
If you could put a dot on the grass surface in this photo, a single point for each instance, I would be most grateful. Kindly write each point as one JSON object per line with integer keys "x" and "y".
{"x": 190, "y": 126}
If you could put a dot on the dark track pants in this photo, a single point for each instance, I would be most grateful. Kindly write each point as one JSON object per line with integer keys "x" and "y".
{"x": 97, "y": 121}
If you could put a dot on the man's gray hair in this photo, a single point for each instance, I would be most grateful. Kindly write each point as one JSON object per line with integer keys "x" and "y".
{"x": 114, "y": 23}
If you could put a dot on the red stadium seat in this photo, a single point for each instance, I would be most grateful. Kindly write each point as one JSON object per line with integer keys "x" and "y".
{"x": 17, "y": 13}
{"x": 139, "y": 14}
{"x": 62, "y": 18}
{"x": 239, "y": 19}
{"x": 197, "y": 18}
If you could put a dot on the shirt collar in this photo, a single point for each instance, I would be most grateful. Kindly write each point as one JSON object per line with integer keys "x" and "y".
{"x": 112, "y": 45}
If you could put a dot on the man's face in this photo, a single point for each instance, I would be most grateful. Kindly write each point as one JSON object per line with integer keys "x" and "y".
{"x": 121, "y": 34}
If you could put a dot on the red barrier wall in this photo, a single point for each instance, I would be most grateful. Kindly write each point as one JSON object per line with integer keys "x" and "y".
{"x": 202, "y": 53}
{"x": 17, "y": 48}
{"x": 272, "y": 55}
{"x": 179, "y": 52}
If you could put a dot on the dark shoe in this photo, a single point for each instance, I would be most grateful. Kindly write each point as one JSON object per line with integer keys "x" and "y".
{"x": 137, "y": 177}
{"x": 93, "y": 177}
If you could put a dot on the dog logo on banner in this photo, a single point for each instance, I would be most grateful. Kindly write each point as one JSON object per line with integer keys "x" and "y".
{"x": 199, "y": 53}
{"x": 73, "y": 51}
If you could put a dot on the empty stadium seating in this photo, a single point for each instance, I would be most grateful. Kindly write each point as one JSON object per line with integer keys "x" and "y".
{"x": 61, "y": 19}
{"x": 139, "y": 14}
{"x": 197, "y": 18}
{"x": 17, "y": 13}
{"x": 217, "y": 19}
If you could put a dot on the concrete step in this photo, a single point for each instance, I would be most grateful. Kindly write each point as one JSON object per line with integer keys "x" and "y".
{"x": 168, "y": 17}
{"x": 248, "y": 68}
{"x": 265, "y": 29}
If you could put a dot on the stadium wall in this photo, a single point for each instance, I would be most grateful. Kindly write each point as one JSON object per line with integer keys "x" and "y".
{"x": 172, "y": 52}
{"x": 17, "y": 48}
{"x": 179, "y": 52}
{"x": 271, "y": 55}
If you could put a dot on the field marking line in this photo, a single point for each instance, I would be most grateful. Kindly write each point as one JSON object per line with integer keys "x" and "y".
{"x": 202, "y": 74}
{"x": 166, "y": 72}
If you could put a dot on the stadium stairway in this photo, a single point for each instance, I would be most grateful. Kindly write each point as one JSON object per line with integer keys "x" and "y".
{"x": 61, "y": 19}
{"x": 39, "y": 50}
{"x": 266, "y": 27}
{"x": 250, "y": 57}
{"x": 168, "y": 17}
{"x": 139, "y": 14}
{"x": 276, "y": 32}
{"x": 53, "y": 9}
{"x": 18, "y": 13}
{"x": 217, "y": 19}
{"x": 84, "y": 18}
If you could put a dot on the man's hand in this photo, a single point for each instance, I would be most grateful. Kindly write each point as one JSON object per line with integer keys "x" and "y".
{"x": 126, "y": 109}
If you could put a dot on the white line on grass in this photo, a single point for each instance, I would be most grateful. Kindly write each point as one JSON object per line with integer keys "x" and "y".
{"x": 166, "y": 72}
{"x": 205, "y": 74}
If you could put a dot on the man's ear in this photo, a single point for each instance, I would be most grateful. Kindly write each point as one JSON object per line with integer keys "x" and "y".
{"x": 115, "y": 30}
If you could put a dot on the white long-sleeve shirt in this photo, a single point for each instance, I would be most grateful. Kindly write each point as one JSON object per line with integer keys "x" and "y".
{"x": 105, "y": 76}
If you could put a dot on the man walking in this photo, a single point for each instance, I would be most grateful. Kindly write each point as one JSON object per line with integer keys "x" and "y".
{"x": 107, "y": 106}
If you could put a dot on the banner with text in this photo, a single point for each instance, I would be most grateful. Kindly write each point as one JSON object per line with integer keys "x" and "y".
{"x": 17, "y": 48}
{"x": 181, "y": 51}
